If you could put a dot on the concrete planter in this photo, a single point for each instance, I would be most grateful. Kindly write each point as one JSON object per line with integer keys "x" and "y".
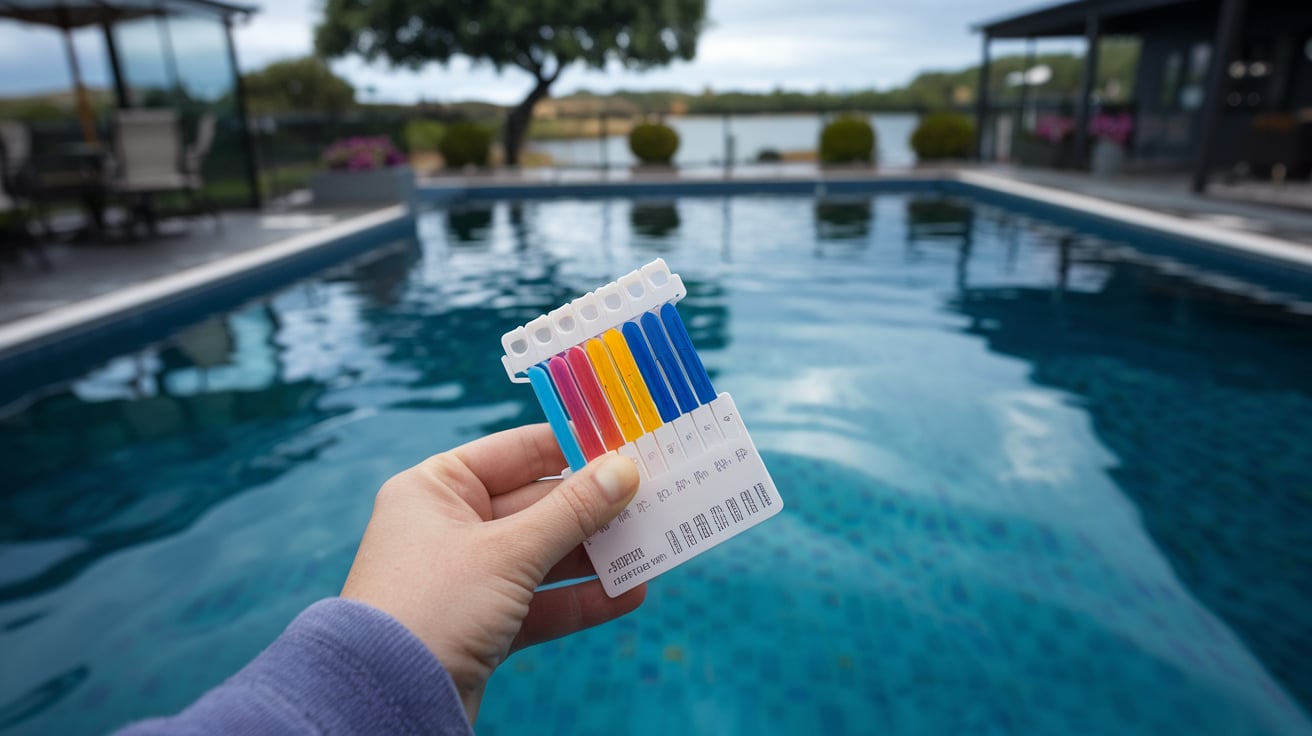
{"x": 393, "y": 185}
{"x": 1107, "y": 158}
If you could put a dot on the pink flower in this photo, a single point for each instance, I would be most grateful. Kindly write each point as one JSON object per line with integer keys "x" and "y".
{"x": 362, "y": 153}
{"x": 1112, "y": 127}
{"x": 1054, "y": 128}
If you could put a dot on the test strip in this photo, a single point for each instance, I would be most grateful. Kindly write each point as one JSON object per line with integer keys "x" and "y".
{"x": 587, "y": 381}
{"x": 619, "y": 350}
{"x": 660, "y": 347}
{"x": 578, "y": 411}
{"x": 692, "y": 362}
{"x": 651, "y": 373}
{"x": 541, "y": 383}
{"x": 614, "y": 389}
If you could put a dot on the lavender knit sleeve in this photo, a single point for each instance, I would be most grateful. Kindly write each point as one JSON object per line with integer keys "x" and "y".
{"x": 341, "y": 667}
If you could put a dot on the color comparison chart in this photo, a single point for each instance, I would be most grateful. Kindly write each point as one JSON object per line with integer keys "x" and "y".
{"x": 616, "y": 371}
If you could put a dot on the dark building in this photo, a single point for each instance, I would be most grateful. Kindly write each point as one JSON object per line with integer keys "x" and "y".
{"x": 1221, "y": 84}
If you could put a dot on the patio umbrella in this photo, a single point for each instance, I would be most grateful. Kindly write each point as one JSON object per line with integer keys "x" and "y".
{"x": 68, "y": 15}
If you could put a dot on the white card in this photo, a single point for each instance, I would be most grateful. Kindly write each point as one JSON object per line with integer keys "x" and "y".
{"x": 702, "y": 484}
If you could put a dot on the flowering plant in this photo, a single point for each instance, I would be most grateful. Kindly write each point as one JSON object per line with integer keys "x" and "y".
{"x": 1053, "y": 128}
{"x": 1115, "y": 128}
{"x": 362, "y": 153}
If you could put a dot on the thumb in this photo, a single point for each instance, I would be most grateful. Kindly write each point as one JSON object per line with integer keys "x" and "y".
{"x": 577, "y": 508}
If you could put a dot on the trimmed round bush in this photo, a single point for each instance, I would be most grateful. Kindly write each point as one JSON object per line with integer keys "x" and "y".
{"x": 424, "y": 135}
{"x": 943, "y": 135}
{"x": 653, "y": 143}
{"x": 465, "y": 144}
{"x": 847, "y": 140}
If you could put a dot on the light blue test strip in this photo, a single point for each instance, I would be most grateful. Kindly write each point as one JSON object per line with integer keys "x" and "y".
{"x": 660, "y": 346}
{"x": 546, "y": 393}
{"x": 692, "y": 362}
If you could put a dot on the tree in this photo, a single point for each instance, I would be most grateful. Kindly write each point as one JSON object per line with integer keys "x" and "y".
{"x": 305, "y": 84}
{"x": 542, "y": 38}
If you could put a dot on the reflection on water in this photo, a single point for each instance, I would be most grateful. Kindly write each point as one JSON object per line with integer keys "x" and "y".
{"x": 843, "y": 218}
{"x": 469, "y": 223}
{"x": 654, "y": 219}
{"x": 1038, "y": 481}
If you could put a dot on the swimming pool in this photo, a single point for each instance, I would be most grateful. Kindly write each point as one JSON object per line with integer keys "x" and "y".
{"x": 1038, "y": 481}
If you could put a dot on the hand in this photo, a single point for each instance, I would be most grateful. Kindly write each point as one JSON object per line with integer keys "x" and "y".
{"x": 458, "y": 544}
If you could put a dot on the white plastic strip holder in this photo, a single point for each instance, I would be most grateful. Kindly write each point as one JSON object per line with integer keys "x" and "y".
{"x": 589, "y": 316}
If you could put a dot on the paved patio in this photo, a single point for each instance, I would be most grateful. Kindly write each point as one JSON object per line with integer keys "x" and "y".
{"x": 81, "y": 270}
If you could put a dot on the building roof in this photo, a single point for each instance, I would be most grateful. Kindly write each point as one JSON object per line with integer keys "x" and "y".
{"x": 1068, "y": 19}
{"x": 78, "y": 13}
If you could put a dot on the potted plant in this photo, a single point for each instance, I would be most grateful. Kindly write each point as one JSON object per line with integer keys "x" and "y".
{"x": 848, "y": 140}
{"x": 363, "y": 170}
{"x": 467, "y": 146}
{"x": 654, "y": 145}
{"x": 1111, "y": 132}
{"x": 943, "y": 136}
{"x": 1049, "y": 145}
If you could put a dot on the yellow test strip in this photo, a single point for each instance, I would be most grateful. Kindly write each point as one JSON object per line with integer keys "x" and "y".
{"x": 610, "y": 383}
{"x": 619, "y": 350}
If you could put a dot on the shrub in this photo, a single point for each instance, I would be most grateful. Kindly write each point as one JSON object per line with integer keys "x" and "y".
{"x": 424, "y": 135}
{"x": 768, "y": 155}
{"x": 653, "y": 143}
{"x": 943, "y": 135}
{"x": 848, "y": 139}
{"x": 465, "y": 144}
{"x": 362, "y": 153}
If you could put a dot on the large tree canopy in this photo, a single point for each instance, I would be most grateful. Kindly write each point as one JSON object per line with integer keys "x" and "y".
{"x": 542, "y": 37}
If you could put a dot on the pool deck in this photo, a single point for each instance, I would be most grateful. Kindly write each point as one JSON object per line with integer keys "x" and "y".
{"x": 90, "y": 281}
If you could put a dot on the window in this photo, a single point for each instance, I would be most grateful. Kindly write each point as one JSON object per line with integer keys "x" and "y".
{"x": 1195, "y": 81}
{"x": 1170, "y": 80}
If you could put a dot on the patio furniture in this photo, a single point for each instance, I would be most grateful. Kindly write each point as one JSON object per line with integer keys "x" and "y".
{"x": 17, "y": 205}
{"x": 150, "y": 161}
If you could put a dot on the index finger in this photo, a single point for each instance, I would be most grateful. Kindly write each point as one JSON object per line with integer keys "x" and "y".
{"x": 513, "y": 458}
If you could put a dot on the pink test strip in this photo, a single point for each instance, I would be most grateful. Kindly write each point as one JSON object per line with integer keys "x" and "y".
{"x": 587, "y": 380}
{"x": 578, "y": 411}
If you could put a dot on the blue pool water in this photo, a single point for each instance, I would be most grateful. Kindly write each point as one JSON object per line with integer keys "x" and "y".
{"x": 1037, "y": 481}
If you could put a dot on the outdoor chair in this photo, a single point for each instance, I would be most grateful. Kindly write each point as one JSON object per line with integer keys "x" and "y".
{"x": 150, "y": 161}
{"x": 195, "y": 154}
{"x": 18, "y": 203}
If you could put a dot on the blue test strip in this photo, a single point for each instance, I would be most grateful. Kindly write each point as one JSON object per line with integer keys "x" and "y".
{"x": 692, "y": 363}
{"x": 651, "y": 374}
{"x": 541, "y": 382}
{"x": 660, "y": 346}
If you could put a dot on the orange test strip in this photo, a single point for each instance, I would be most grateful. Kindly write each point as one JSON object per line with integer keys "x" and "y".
{"x": 614, "y": 389}
{"x": 619, "y": 350}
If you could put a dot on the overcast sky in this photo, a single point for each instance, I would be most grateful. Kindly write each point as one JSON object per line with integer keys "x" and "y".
{"x": 749, "y": 45}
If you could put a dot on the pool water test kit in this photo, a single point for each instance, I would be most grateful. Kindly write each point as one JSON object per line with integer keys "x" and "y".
{"x": 615, "y": 371}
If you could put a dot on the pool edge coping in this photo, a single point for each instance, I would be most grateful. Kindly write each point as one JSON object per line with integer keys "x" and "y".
{"x": 27, "y": 333}
{"x": 31, "y": 332}
{"x": 1267, "y": 247}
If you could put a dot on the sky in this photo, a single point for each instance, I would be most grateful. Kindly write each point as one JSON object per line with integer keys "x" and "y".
{"x": 754, "y": 45}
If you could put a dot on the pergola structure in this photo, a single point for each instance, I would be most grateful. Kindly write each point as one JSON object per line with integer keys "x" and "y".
{"x": 1269, "y": 37}
{"x": 71, "y": 15}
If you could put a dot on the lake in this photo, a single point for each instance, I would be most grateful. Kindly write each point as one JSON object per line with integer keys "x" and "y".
{"x": 702, "y": 140}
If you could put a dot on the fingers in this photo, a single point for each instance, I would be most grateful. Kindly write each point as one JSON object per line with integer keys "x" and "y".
{"x": 547, "y": 530}
{"x": 560, "y": 611}
{"x": 521, "y": 498}
{"x": 510, "y": 459}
